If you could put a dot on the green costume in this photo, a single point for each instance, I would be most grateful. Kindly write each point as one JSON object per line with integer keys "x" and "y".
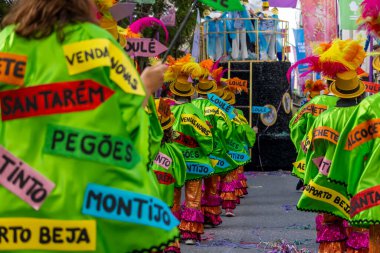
{"x": 249, "y": 135}
{"x": 356, "y": 162}
{"x": 321, "y": 195}
{"x": 300, "y": 126}
{"x": 194, "y": 138}
{"x": 78, "y": 121}
{"x": 236, "y": 145}
{"x": 221, "y": 131}
{"x": 169, "y": 167}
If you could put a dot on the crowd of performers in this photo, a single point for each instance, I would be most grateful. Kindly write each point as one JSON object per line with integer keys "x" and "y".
{"x": 238, "y": 33}
{"x": 85, "y": 147}
{"x": 336, "y": 137}
{"x": 209, "y": 146}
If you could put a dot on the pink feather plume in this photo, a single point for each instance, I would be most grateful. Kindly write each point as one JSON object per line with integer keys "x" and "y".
{"x": 369, "y": 16}
{"x": 143, "y": 23}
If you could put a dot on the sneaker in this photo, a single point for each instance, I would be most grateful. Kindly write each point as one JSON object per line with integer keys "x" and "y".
{"x": 230, "y": 213}
{"x": 190, "y": 242}
{"x": 299, "y": 185}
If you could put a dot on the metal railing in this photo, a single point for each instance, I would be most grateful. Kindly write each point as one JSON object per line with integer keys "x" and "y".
{"x": 262, "y": 44}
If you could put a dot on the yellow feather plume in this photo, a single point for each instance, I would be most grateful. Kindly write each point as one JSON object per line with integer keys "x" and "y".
{"x": 193, "y": 69}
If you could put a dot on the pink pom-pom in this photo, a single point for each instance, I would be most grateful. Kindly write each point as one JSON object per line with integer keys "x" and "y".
{"x": 143, "y": 23}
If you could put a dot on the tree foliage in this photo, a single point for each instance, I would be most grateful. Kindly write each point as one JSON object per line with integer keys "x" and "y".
{"x": 4, "y": 7}
{"x": 182, "y": 8}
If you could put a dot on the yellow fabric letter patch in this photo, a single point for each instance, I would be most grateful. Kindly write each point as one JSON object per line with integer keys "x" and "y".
{"x": 44, "y": 234}
{"x": 199, "y": 126}
{"x": 123, "y": 73}
{"x": 87, "y": 55}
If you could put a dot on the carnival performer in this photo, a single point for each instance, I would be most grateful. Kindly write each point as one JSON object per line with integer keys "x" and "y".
{"x": 169, "y": 165}
{"x": 249, "y": 138}
{"x": 238, "y": 28}
{"x": 302, "y": 121}
{"x": 221, "y": 130}
{"x": 78, "y": 125}
{"x": 214, "y": 29}
{"x": 331, "y": 231}
{"x": 238, "y": 153}
{"x": 194, "y": 138}
{"x": 267, "y": 37}
{"x": 355, "y": 163}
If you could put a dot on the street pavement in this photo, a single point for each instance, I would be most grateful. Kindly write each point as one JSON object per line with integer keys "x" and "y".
{"x": 266, "y": 221}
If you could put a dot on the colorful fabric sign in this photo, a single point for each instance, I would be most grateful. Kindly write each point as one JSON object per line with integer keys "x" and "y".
{"x": 169, "y": 18}
{"x": 320, "y": 22}
{"x": 299, "y": 37}
{"x": 144, "y": 47}
{"x": 12, "y": 68}
{"x": 313, "y": 109}
{"x": 363, "y": 133}
{"x": 163, "y": 160}
{"x": 90, "y": 54}
{"x": 199, "y": 169}
{"x": 120, "y": 10}
{"x": 164, "y": 177}
{"x": 221, "y": 163}
{"x": 22, "y": 180}
{"x": 260, "y": 109}
{"x": 198, "y": 125}
{"x": 372, "y": 87}
{"x": 238, "y": 84}
{"x": 121, "y": 205}
{"x": 300, "y": 166}
{"x": 91, "y": 146}
{"x": 326, "y": 133}
{"x": 221, "y": 104}
{"x": 329, "y": 196}
{"x": 364, "y": 200}
{"x": 53, "y": 98}
{"x": 240, "y": 157}
{"x": 224, "y": 5}
{"x": 195, "y": 50}
{"x": 185, "y": 140}
{"x": 283, "y": 3}
{"x": 349, "y": 11}
{"x": 44, "y": 234}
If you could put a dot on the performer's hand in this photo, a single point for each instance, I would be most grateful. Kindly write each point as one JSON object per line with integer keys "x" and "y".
{"x": 256, "y": 129}
{"x": 153, "y": 78}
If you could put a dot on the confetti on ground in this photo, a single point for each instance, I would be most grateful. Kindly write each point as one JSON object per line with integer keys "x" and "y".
{"x": 299, "y": 227}
{"x": 279, "y": 246}
{"x": 288, "y": 207}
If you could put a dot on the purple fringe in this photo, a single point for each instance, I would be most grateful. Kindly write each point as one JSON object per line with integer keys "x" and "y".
{"x": 212, "y": 200}
{"x": 192, "y": 215}
{"x": 242, "y": 177}
{"x": 213, "y": 220}
{"x": 319, "y": 222}
{"x": 229, "y": 204}
{"x": 334, "y": 232}
{"x": 185, "y": 235}
{"x": 358, "y": 240}
{"x": 177, "y": 214}
{"x": 172, "y": 249}
{"x": 245, "y": 192}
{"x": 237, "y": 200}
{"x": 228, "y": 186}
{"x": 238, "y": 184}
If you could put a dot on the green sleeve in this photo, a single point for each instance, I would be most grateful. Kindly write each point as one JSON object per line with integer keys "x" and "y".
{"x": 155, "y": 130}
{"x": 347, "y": 165}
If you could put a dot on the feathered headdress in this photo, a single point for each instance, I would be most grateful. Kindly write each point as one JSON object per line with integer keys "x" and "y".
{"x": 340, "y": 58}
{"x": 314, "y": 87}
{"x": 135, "y": 29}
{"x": 185, "y": 66}
{"x": 369, "y": 19}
